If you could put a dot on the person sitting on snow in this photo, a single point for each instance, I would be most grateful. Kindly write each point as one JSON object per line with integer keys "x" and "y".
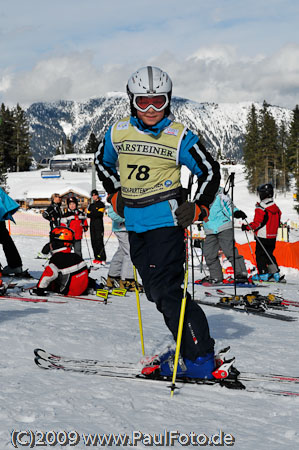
{"x": 67, "y": 272}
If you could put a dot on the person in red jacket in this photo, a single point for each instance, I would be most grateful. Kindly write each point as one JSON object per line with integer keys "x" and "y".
{"x": 67, "y": 272}
{"x": 265, "y": 225}
{"x": 75, "y": 219}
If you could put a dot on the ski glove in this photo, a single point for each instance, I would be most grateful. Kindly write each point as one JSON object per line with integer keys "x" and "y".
{"x": 117, "y": 203}
{"x": 189, "y": 212}
{"x": 244, "y": 227}
{"x": 240, "y": 215}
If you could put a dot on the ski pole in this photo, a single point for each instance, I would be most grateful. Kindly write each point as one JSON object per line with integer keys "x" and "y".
{"x": 87, "y": 245}
{"x": 253, "y": 257}
{"x": 260, "y": 242}
{"x": 181, "y": 321}
{"x": 105, "y": 243}
{"x": 139, "y": 310}
{"x": 192, "y": 262}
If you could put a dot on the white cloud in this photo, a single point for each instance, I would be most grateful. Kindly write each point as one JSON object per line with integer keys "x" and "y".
{"x": 214, "y": 74}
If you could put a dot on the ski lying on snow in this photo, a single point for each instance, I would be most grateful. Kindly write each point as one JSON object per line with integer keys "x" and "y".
{"x": 112, "y": 373}
{"x": 133, "y": 367}
{"x": 248, "y": 310}
{"x": 70, "y": 297}
{"x": 30, "y": 299}
{"x": 241, "y": 285}
{"x": 284, "y": 302}
{"x": 44, "y": 299}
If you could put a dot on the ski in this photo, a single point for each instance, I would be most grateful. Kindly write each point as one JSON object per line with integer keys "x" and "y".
{"x": 69, "y": 297}
{"x": 232, "y": 284}
{"x": 83, "y": 362}
{"x": 30, "y": 299}
{"x": 79, "y": 297}
{"x": 125, "y": 375}
{"x": 259, "y": 312}
{"x": 136, "y": 367}
{"x": 272, "y": 300}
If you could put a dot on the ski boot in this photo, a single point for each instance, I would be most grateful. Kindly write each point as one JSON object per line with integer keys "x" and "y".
{"x": 130, "y": 285}
{"x": 162, "y": 366}
{"x": 110, "y": 282}
{"x": 7, "y": 270}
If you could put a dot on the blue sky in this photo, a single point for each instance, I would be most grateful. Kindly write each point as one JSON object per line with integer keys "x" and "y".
{"x": 216, "y": 50}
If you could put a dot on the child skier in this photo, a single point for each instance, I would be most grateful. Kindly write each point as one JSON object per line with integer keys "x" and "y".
{"x": 265, "y": 225}
{"x": 150, "y": 147}
{"x": 75, "y": 219}
{"x": 66, "y": 272}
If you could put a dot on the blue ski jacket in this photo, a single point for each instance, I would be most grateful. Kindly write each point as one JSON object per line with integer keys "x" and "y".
{"x": 118, "y": 223}
{"x": 7, "y": 206}
{"x": 191, "y": 153}
{"x": 220, "y": 217}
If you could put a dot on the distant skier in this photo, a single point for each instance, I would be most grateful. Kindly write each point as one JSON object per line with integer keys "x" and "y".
{"x": 95, "y": 212}
{"x": 53, "y": 214}
{"x": 265, "y": 225}
{"x": 75, "y": 219}
{"x": 150, "y": 147}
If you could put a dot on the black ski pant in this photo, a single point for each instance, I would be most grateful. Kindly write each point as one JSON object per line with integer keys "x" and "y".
{"x": 97, "y": 240}
{"x": 10, "y": 250}
{"x": 262, "y": 259}
{"x": 159, "y": 257}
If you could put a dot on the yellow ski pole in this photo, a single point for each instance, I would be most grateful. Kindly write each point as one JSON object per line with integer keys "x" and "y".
{"x": 181, "y": 321}
{"x": 139, "y": 310}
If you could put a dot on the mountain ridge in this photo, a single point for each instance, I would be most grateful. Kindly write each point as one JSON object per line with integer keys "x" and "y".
{"x": 220, "y": 125}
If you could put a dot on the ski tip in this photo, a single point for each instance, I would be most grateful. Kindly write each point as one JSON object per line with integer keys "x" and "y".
{"x": 37, "y": 351}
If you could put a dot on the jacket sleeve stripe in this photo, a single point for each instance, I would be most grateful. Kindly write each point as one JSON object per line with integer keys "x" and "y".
{"x": 108, "y": 176}
{"x": 208, "y": 182}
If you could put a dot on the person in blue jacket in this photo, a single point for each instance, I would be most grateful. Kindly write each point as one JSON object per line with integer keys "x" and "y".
{"x": 219, "y": 236}
{"x": 121, "y": 271}
{"x": 150, "y": 147}
{"x": 14, "y": 262}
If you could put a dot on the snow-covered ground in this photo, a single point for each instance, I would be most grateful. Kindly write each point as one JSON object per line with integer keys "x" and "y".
{"x": 33, "y": 399}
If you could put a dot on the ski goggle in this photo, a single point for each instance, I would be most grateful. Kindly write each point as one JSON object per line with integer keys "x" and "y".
{"x": 145, "y": 102}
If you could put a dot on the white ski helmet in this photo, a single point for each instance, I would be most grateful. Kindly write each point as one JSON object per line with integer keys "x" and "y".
{"x": 149, "y": 83}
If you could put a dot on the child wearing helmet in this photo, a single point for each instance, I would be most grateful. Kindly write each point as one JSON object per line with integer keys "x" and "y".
{"x": 75, "y": 219}
{"x": 265, "y": 225}
{"x": 66, "y": 272}
{"x": 150, "y": 147}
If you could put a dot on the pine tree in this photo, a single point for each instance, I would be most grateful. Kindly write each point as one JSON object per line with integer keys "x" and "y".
{"x": 2, "y": 159}
{"x": 69, "y": 147}
{"x": 21, "y": 140}
{"x": 92, "y": 144}
{"x": 6, "y": 137}
{"x": 251, "y": 149}
{"x": 268, "y": 139}
{"x": 283, "y": 179}
{"x": 293, "y": 150}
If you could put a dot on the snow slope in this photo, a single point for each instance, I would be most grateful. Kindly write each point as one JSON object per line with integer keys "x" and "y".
{"x": 33, "y": 399}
